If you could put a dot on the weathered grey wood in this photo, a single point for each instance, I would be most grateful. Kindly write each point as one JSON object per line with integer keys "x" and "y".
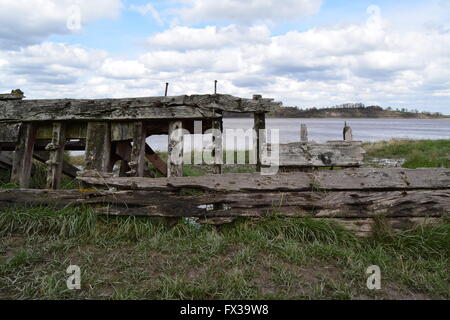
{"x": 347, "y": 132}
{"x": 56, "y": 156}
{"x": 175, "y": 150}
{"x": 154, "y": 159}
{"x": 330, "y": 154}
{"x": 74, "y": 130}
{"x": 259, "y": 127}
{"x": 9, "y": 132}
{"x": 137, "y": 162}
{"x": 217, "y": 146}
{"x": 176, "y": 107}
{"x": 23, "y": 155}
{"x": 68, "y": 169}
{"x": 122, "y": 131}
{"x": 334, "y": 204}
{"x": 303, "y": 133}
{"x": 98, "y": 146}
{"x": 11, "y": 96}
{"x": 348, "y": 179}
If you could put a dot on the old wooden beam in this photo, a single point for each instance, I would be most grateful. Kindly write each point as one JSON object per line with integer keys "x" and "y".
{"x": 333, "y": 204}
{"x": 137, "y": 162}
{"x": 309, "y": 154}
{"x": 155, "y": 160}
{"x": 11, "y": 96}
{"x": 348, "y": 179}
{"x": 98, "y": 146}
{"x": 56, "y": 156}
{"x": 23, "y": 155}
{"x": 175, "y": 107}
{"x": 175, "y": 150}
{"x": 259, "y": 127}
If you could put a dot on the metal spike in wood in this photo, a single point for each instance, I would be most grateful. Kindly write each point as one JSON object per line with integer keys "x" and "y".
{"x": 167, "y": 89}
{"x": 215, "y": 86}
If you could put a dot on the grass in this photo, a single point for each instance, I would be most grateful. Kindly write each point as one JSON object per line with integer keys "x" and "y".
{"x": 417, "y": 153}
{"x": 270, "y": 258}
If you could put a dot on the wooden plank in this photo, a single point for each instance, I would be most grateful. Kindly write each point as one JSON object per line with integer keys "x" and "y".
{"x": 137, "y": 162}
{"x": 11, "y": 96}
{"x": 10, "y": 133}
{"x": 176, "y": 107}
{"x": 122, "y": 131}
{"x": 259, "y": 127}
{"x": 56, "y": 156}
{"x": 330, "y": 154}
{"x": 74, "y": 130}
{"x": 23, "y": 155}
{"x": 154, "y": 159}
{"x": 175, "y": 150}
{"x": 303, "y": 133}
{"x": 217, "y": 125}
{"x": 348, "y": 179}
{"x": 334, "y": 204}
{"x": 98, "y": 146}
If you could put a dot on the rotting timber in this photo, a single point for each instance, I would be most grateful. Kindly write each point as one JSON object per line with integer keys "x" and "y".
{"x": 114, "y": 131}
{"x": 110, "y": 130}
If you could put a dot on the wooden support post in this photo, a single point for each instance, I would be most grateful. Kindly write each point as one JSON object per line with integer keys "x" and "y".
{"x": 348, "y": 135}
{"x": 23, "y": 155}
{"x": 303, "y": 133}
{"x": 259, "y": 126}
{"x": 155, "y": 160}
{"x": 123, "y": 151}
{"x": 56, "y": 156}
{"x": 137, "y": 163}
{"x": 98, "y": 146}
{"x": 217, "y": 125}
{"x": 175, "y": 150}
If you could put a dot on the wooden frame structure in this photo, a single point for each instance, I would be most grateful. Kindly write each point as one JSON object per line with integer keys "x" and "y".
{"x": 111, "y": 130}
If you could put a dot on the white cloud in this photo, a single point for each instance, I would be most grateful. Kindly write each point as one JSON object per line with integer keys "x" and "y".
{"x": 148, "y": 9}
{"x": 24, "y": 22}
{"x": 371, "y": 62}
{"x": 246, "y": 12}
{"x": 210, "y": 37}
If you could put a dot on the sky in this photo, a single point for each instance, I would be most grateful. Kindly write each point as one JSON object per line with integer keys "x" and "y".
{"x": 305, "y": 53}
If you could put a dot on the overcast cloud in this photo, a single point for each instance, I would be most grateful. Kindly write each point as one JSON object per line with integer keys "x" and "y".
{"x": 378, "y": 60}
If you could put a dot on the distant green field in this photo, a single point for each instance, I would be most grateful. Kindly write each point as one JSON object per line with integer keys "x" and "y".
{"x": 417, "y": 153}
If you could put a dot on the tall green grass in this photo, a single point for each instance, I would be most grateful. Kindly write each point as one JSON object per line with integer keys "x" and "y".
{"x": 417, "y": 153}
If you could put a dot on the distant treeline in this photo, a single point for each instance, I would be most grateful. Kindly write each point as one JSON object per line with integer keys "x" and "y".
{"x": 348, "y": 110}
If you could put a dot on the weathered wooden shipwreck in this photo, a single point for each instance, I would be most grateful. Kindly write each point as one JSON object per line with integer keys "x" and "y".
{"x": 115, "y": 130}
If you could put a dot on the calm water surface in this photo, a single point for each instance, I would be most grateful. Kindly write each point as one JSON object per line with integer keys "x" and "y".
{"x": 322, "y": 130}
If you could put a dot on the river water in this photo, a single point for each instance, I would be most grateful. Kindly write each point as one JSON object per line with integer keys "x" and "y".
{"x": 322, "y": 130}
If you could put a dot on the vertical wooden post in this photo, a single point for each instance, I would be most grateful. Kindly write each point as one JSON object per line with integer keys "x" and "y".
{"x": 23, "y": 155}
{"x": 137, "y": 163}
{"x": 98, "y": 146}
{"x": 259, "y": 126}
{"x": 348, "y": 135}
{"x": 175, "y": 150}
{"x": 217, "y": 124}
{"x": 56, "y": 156}
{"x": 303, "y": 133}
